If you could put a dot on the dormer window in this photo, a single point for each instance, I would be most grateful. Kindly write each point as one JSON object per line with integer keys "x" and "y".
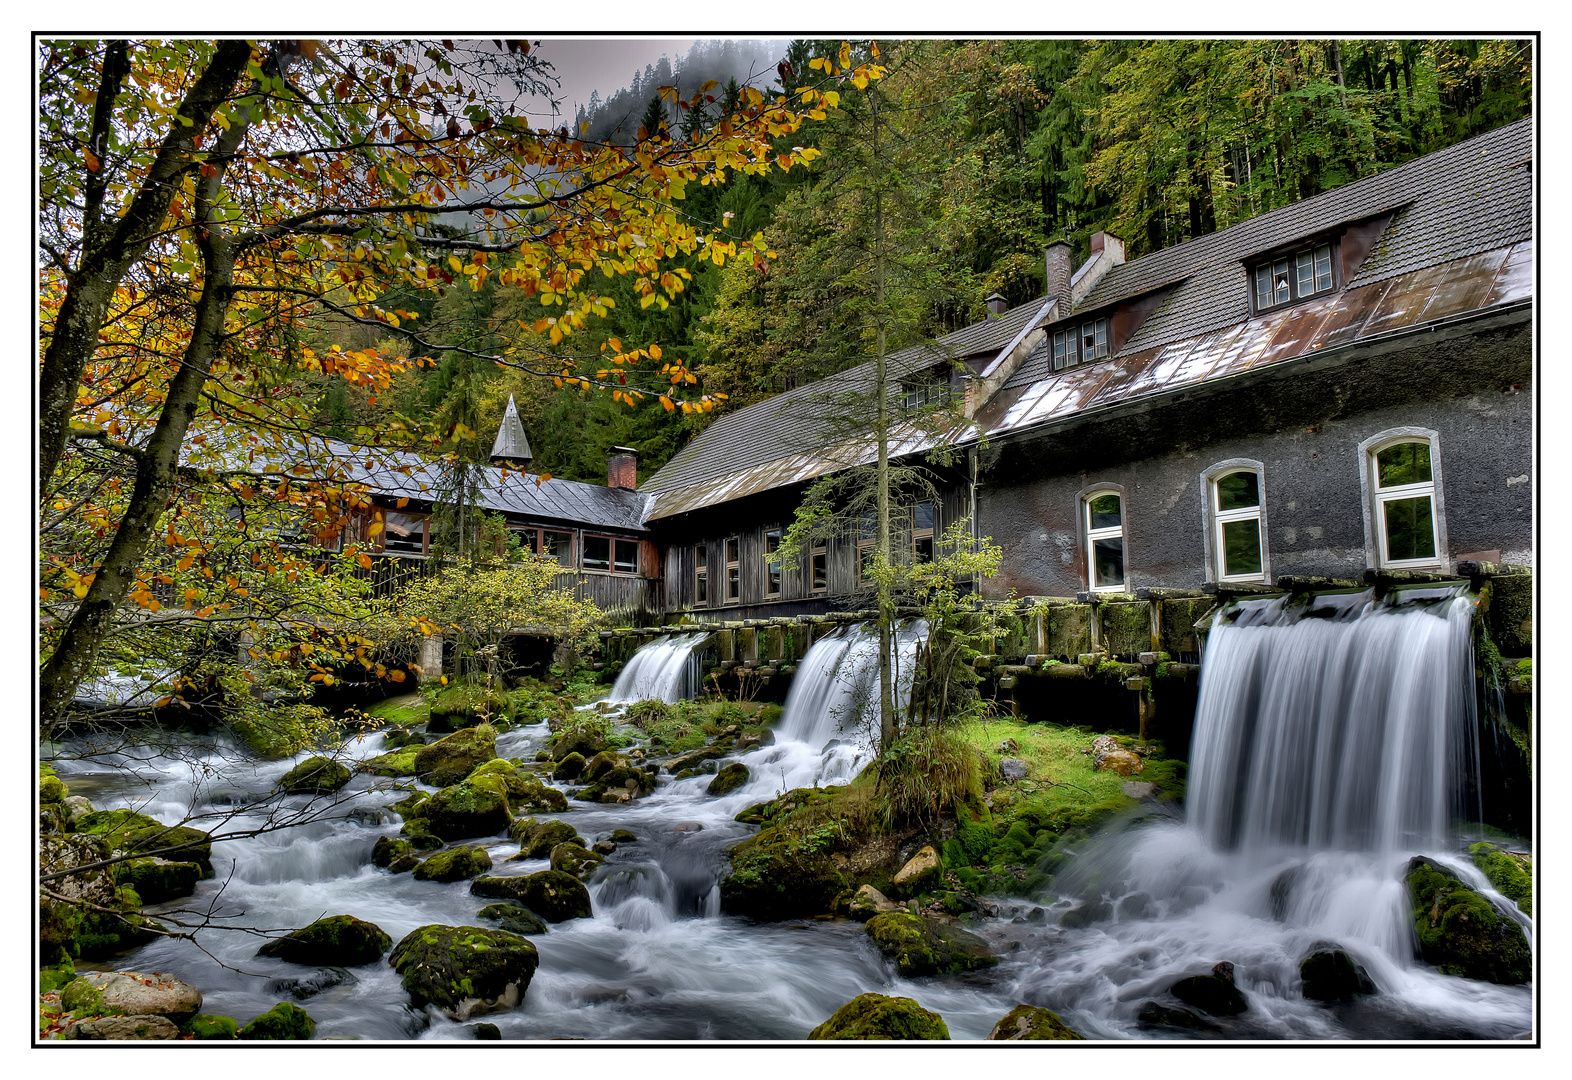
{"x": 1297, "y": 275}
{"x": 1080, "y": 344}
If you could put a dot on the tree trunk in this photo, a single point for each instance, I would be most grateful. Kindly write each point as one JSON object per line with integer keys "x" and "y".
{"x": 108, "y": 251}
{"x": 882, "y": 434}
{"x": 159, "y": 460}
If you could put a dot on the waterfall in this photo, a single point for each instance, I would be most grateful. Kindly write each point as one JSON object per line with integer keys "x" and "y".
{"x": 667, "y": 669}
{"x": 835, "y": 693}
{"x": 1342, "y": 724}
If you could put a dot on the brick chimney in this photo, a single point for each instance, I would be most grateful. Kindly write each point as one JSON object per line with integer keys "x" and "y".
{"x": 1060, "y": 270}
{"x": 622, "y": 468}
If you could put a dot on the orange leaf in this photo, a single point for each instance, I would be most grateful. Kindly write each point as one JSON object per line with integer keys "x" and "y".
{"x": 396, "y": 676}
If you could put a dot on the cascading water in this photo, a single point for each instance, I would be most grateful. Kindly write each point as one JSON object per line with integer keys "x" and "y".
{"x": 667, "y": 669}
{"x": 1331, "y": 742}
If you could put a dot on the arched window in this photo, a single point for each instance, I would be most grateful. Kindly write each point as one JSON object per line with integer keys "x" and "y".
{"x": 1104, "y": 525}
{"x": 1403, "y": 481}
{"x": 1237, "y": 537}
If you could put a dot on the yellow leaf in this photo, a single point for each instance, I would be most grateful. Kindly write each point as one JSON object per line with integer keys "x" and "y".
{"x": 396, "y": 676}
{"x": 666, "y": 401}
{"x": 456, "y": 264}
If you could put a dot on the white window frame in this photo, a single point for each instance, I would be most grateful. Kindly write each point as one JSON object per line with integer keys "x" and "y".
{"x": 1109, "y": 532}
{"x": 1376, "y": 498}
{"x": 1216, "y": 519}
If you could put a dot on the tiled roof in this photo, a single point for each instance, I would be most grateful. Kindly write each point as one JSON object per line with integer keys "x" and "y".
{"x": 1468, "y": 207}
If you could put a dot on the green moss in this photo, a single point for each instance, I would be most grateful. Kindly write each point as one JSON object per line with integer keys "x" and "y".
{"x": 53, "y": 978}
{"x": 206, "y": 1028}
{"x": 283, "y": 1022}
{"x": 51, "y": 789}
{"x": 406, "y": 710}
{"x": 921, "y": 946}
{"x": 1028, "y": 1023}
{"x": 397, "y": 763}
{"x": 1511, "y": 876}
{"x": 1460, "y": 932}
{"x": 877, "y": 1016}
{"x": 81, "y": 997}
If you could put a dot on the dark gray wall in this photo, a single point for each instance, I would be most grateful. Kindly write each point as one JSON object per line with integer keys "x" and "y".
{"x": 1305, "y": 427}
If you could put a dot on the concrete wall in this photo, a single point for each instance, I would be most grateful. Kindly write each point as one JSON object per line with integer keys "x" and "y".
{"x": 1305, "y": 429}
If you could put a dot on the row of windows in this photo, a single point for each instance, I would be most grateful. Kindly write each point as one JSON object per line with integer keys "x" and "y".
{"x": 1403, "y": 515}
{"x": 1071, "y": 347}
{"x": 921, "y": 528}
{"x": 413, "y": 534}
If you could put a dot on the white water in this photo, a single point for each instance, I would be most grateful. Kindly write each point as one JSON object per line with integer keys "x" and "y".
{"x": 666, "y": 669}
{"x": 1327, "y": 750}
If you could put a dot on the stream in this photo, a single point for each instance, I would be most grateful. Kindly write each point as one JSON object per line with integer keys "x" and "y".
{"x": 659, "y": 961}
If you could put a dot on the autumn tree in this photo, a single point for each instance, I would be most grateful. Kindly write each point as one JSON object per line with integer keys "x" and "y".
{"x": 202, "y": 202}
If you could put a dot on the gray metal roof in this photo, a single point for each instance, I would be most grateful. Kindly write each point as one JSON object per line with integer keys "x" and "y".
{"x": 511, "y": 444}
{"x": 398, "y": 474}
{"x": 1462, "y": 241}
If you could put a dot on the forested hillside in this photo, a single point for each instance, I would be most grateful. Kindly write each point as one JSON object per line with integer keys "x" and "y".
{"x": 997, "y": 147}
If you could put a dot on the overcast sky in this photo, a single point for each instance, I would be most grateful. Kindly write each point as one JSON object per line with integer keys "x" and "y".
{"x": 604, "y": 64}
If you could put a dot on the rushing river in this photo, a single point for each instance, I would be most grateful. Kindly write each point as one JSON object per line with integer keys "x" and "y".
{"x": 658, "y": 961}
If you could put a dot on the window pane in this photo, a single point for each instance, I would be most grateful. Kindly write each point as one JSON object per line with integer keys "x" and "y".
{"x": 731, "y": 549}
{"x": 558, "y": 545}
{"x": 1263, "y": 286}
{"x": 1239, "y": 490}
{"x": 1104, "y": 510}
{"x": 403, "y": 532}
{"x": 867, "y": 526}
{"x": 597, "y": 553}
{"x": 864, "y": 558}
{"x": 821, "y": 571}
{"x": 922, "y": 516}
{"x": 701, "y": 587}
{"x": 1280, "y": 281}
{"x": 1088, "y": 340}
{"x": 1058, "y": 350}
{"x": 627, "y": 557}
{"x": 1410, "y": 533}
{"x": 1405, "y": 463}
{"x": 922, "y": 549}
{"x": 1108, "y": 560}
{"x": 700, "y": 556}
{"x": 1304, "y": 269}
{"x": 529, "y": 540}
{"x": 1102, "y": 337}
{"x": 1323, "y": 268}
{"x": 732, "y": 583}
{"x": 1241, "y": 547}
{"x": 1071, "y": 356}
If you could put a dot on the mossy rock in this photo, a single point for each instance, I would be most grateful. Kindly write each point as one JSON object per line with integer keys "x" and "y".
{"x": 92, "y": 917}
{"x": 923, "y": 946}
{"x": 551, "y": 894}
{"x": 878, "y": 1016}
{"x": 157, "y": 880}
{"x": 466, "y": 705}
{"x": 451, "y": 759}
{"x": 524, "y": 789}
{"x": 1511, "y": 876}
{"x": 774, "y": 878}
{"x": 514, "y": 918}
{"x": 387, "y": 849}
{"x": 602, "y": 763}
{"x": 574, "y": 859}
{"x": 206, "y": 1028}
{"x": 569, "y": 768}
{"x": 1028, "y": 1022}
{"x": 314, "y": 776}
{"x": 577, "y": 740}
{"x": 395, "y": 763}
{"x": 464, "y": 970}
{"x": 1333, "y": 975}
{"x": 1212, "y": 994}
{"x": 56, "y": 976}
{"x": 405, "y": 710}
{"x": 409, "y": 806}
{"x": 336, "y": 941}
{"x": 82, "y": 997}
{"x": 113, "y": 825}
{"x": 176, "y": 842}
{"x": 455, "y": 864}
{"x": 537, "y": 841}
{"x": 1460, "y": 932}
{"x": 51, "y": 789}
{"x": 728, "y": 779}
{"x": 282, "y": 1023}
{"x": 476, "y": 807}
{"x": 418, "y": 832}
{"x": 621, "y": 836}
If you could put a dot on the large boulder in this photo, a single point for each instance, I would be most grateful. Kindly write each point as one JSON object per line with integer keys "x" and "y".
{"x": 1028, "y": 1022}
{"x": 282, "y": 1023}
{"x": 728, "y": 779}
{"x": 538, "y": 837}
{"x": 583, "y": 740}
{"x": 513, "y": 918}
{"x": 868, "y": 902}
{"x": 569, "y": 768}
{"x": 451, "y": 759}
{"x": 470, "y": 808}
{"x": 336, "y": 941}
{"x": 464, "y": 970}
{"x": 122, "y": 1029}
{"x": 921, "y": 873}
{"x": 394, "y": 763}
{"x": 574, "y": 859}
{"x": 525, "y": 790}
{"x": 454, "y": 864}
{"x": 314, "y": 776}
{"x": 924, "y": 946}
{"x": 465, "y": 705}
{"x": 157, "y": 880}
{"x": 1510, "y": 873}
{"x": 132, "y": 993}
{"x": 774, "y": 877}
{"x": 694, "y": 758}
{"x": 878, "y": 1016}
{"x": 551, "y": 894}
{"x": 1330, "y": 974}
{"x": 84, "y": 913}
{"x": 1460, "y": 932}
{"x": 1214, "y": 994}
